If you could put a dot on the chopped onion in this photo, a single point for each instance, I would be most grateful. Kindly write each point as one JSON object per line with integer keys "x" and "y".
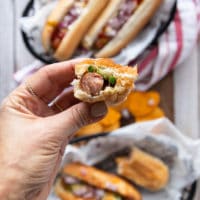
{"x": 80, "y": 191}
{"x": 111, "y": 186}
{"x": 70, "y": 180}
{"x": 99, "y": 194}
{"x": 89, "y": 194}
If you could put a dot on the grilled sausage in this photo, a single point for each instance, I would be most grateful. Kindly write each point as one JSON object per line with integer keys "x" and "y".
{"x": 92, "y": 83}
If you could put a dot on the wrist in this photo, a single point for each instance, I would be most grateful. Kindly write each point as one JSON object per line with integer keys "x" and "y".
{"x": 10, "y": 183}
{"x": 14, "y": 185}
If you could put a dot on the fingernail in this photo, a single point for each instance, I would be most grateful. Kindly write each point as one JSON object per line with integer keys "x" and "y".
{"x": 98, "y": 109}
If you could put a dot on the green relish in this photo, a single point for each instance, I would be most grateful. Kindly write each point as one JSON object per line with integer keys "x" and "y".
{"x": 91, "y": 69}
{"x": 110, "y": 79}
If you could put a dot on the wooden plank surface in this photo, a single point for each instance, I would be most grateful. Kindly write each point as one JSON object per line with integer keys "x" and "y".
{"x": 7, "y": 60}
{"x": 23, "y": 57}
{"x": 197, "y": 196}
{"x": 186, "y": 96}
{"x": 166, "y": 89}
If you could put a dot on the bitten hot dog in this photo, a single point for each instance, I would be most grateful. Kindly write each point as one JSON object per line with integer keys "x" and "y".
{"x": 103, "y": 80}
{"x": 67, "y": 24}
{"x": 81, "y": 182}
{"x": 119, "y": 24}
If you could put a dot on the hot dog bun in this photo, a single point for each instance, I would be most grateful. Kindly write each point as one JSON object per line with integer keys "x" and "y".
{"x": 63, "y": 193}
{"x": 140, "y": 17}
{"x": 144, "y": 170}
{"x": 53, "y": 20}
{"x": 99, "y": 24}
{"x": 131, "y": 29}
{"x": 98, "y": 179}
{"x": 77, "y": 29}
{"x": 124, "y": 81}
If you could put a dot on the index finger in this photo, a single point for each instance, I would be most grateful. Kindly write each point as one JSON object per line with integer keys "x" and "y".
{"x": 52, "y": 79}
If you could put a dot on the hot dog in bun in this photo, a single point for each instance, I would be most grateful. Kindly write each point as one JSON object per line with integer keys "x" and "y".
{"x": 120, "y": 22}
{"x": 81, "y": 182}
{"x": 67, "y": 24}
{"x": 103, "y": 80}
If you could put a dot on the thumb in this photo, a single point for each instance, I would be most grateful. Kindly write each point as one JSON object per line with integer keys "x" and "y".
{"x": 79, "y": 115}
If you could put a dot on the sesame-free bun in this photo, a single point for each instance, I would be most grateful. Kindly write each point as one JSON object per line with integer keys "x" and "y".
{"x": 93, "y": 32}
{"x": 97, "y": 178}
{"x": 76, "y": 31}
{"x": 127, "y": 33}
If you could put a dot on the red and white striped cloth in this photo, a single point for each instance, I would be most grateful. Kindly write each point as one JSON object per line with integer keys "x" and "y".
{"x": 173, "y": 47}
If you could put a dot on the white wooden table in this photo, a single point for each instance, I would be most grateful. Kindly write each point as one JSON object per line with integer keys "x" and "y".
{"x": 13, "y": 56}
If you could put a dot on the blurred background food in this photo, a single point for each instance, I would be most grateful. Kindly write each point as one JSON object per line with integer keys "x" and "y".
{"x": 103, "y": 30}
{"x": 115, "y": 18}
{"x": 138, "y": 107}
{"x": 151, "y": 155}
{"x": 79, "y": 180}
{"x": 144, "y": 170}
{"x": 86, "y": 182}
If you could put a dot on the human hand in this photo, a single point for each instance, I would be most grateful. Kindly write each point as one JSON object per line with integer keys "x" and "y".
{"x": 33, "y": 134}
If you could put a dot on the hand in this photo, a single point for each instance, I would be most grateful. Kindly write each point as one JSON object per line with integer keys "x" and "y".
{"x": 33, "y": 134}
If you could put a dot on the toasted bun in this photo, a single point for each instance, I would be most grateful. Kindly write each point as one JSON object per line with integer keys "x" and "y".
{"x": 125, "y": 77}
{"x": 53, "y": 20}
{"x": 102, "y": 180}
{"x": 99, "y": 24}
{"x": 144, "y": 170}
{"x": 77, "y": 29}
{"x": 63, "y": 193}
{"x": 131, "y": 29}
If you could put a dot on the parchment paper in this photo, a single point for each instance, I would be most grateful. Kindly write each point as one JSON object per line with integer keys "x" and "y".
{"x": 159, "y": 138}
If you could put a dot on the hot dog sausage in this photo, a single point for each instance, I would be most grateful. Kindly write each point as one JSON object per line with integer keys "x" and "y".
{"x": 92, "y": 83}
